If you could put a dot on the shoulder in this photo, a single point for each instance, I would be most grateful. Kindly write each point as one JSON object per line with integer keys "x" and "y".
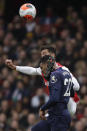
{"x": 61, "y": 73}
{"x": 56, "y": 75}
{"x": 59, "y": 64}
{"x": 65, "y": 68}
{"x": 56, "y": 72}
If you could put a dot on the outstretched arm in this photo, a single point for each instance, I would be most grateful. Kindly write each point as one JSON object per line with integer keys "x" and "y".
{"x": 23, "y": 69}
{"x": 29, "y": 70}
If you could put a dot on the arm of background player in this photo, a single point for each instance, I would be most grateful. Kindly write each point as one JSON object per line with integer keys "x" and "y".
{"x": 76, "y": 85}
{"x": 29, "y": 70}
{"x": 55, "y": 90}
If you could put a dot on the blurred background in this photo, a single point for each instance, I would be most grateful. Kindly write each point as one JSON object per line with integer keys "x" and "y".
{"x": 60, "y": 23}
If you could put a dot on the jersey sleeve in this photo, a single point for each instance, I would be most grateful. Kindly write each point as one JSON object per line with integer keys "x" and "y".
{"x": 76, "y": 85}
{"x": 55, "y": 91}
{"x": 29, "y": 70}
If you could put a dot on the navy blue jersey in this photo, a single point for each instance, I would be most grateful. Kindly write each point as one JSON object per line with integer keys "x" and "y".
{"x": 59, "y": 91}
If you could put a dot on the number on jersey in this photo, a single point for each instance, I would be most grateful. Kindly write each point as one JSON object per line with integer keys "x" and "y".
{"x": 67, "y": 82}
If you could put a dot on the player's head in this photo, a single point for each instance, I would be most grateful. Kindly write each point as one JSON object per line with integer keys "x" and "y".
{"x": 48, "y": 50}
{"x": 47, "y": 65}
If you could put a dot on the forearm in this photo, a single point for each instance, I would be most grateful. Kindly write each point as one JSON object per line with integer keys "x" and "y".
{"x": 76, "y": 85}
{"x": 48, "y": 105}
{"x": 53, "y": 100}
{"x": 28, "y": 70}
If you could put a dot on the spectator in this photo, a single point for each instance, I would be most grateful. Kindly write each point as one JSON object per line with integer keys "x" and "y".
{"x": 39, "y": 99}
{"x": 31, "y": 120}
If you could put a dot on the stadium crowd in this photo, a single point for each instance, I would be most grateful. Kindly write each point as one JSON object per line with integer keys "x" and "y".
{"x": 20, "y": 95}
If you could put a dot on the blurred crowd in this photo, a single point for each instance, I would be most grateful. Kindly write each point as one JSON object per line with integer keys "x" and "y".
{"x": 21, "y": 95}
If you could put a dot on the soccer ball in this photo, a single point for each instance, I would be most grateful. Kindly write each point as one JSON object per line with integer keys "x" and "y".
{"x": 27, "y": 11}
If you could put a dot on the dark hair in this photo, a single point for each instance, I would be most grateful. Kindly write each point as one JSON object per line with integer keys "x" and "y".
{"x": 46, "y": 58}
{"x": 49, "y": 48}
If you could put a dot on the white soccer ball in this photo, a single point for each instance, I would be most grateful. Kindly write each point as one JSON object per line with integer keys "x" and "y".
{"x": 27, "y": 11}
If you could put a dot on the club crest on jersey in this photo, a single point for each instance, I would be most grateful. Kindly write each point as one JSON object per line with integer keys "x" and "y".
{"x": 53, "y": 79}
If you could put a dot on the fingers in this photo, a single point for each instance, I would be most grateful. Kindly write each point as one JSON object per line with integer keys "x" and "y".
{"x": 10, "y": 64}
{"x": 8, "y": 61}
{"x": 42, "y": 115}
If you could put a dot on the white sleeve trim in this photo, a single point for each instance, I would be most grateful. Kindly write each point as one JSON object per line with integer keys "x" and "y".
{"x": 76, "y": 85}
{"x": 29, "y": 70}
{"x": 72, "y": 106}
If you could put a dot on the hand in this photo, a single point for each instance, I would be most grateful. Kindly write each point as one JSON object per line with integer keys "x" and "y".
{"x": 42, "y": 115}
{"x": 10, "y": 64}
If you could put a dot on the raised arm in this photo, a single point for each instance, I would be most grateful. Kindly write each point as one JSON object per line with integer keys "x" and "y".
{"x": 23, "y": 69}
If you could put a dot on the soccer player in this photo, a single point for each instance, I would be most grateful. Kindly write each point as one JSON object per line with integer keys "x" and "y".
{"x": 48, "y": 50}
{"x": 37, "y": 71}
{"x": 60, "y": 84}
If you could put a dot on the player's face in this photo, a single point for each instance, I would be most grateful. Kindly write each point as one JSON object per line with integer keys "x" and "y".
{"x": 43, "y": 67}
{"x": 46, "y": 52}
